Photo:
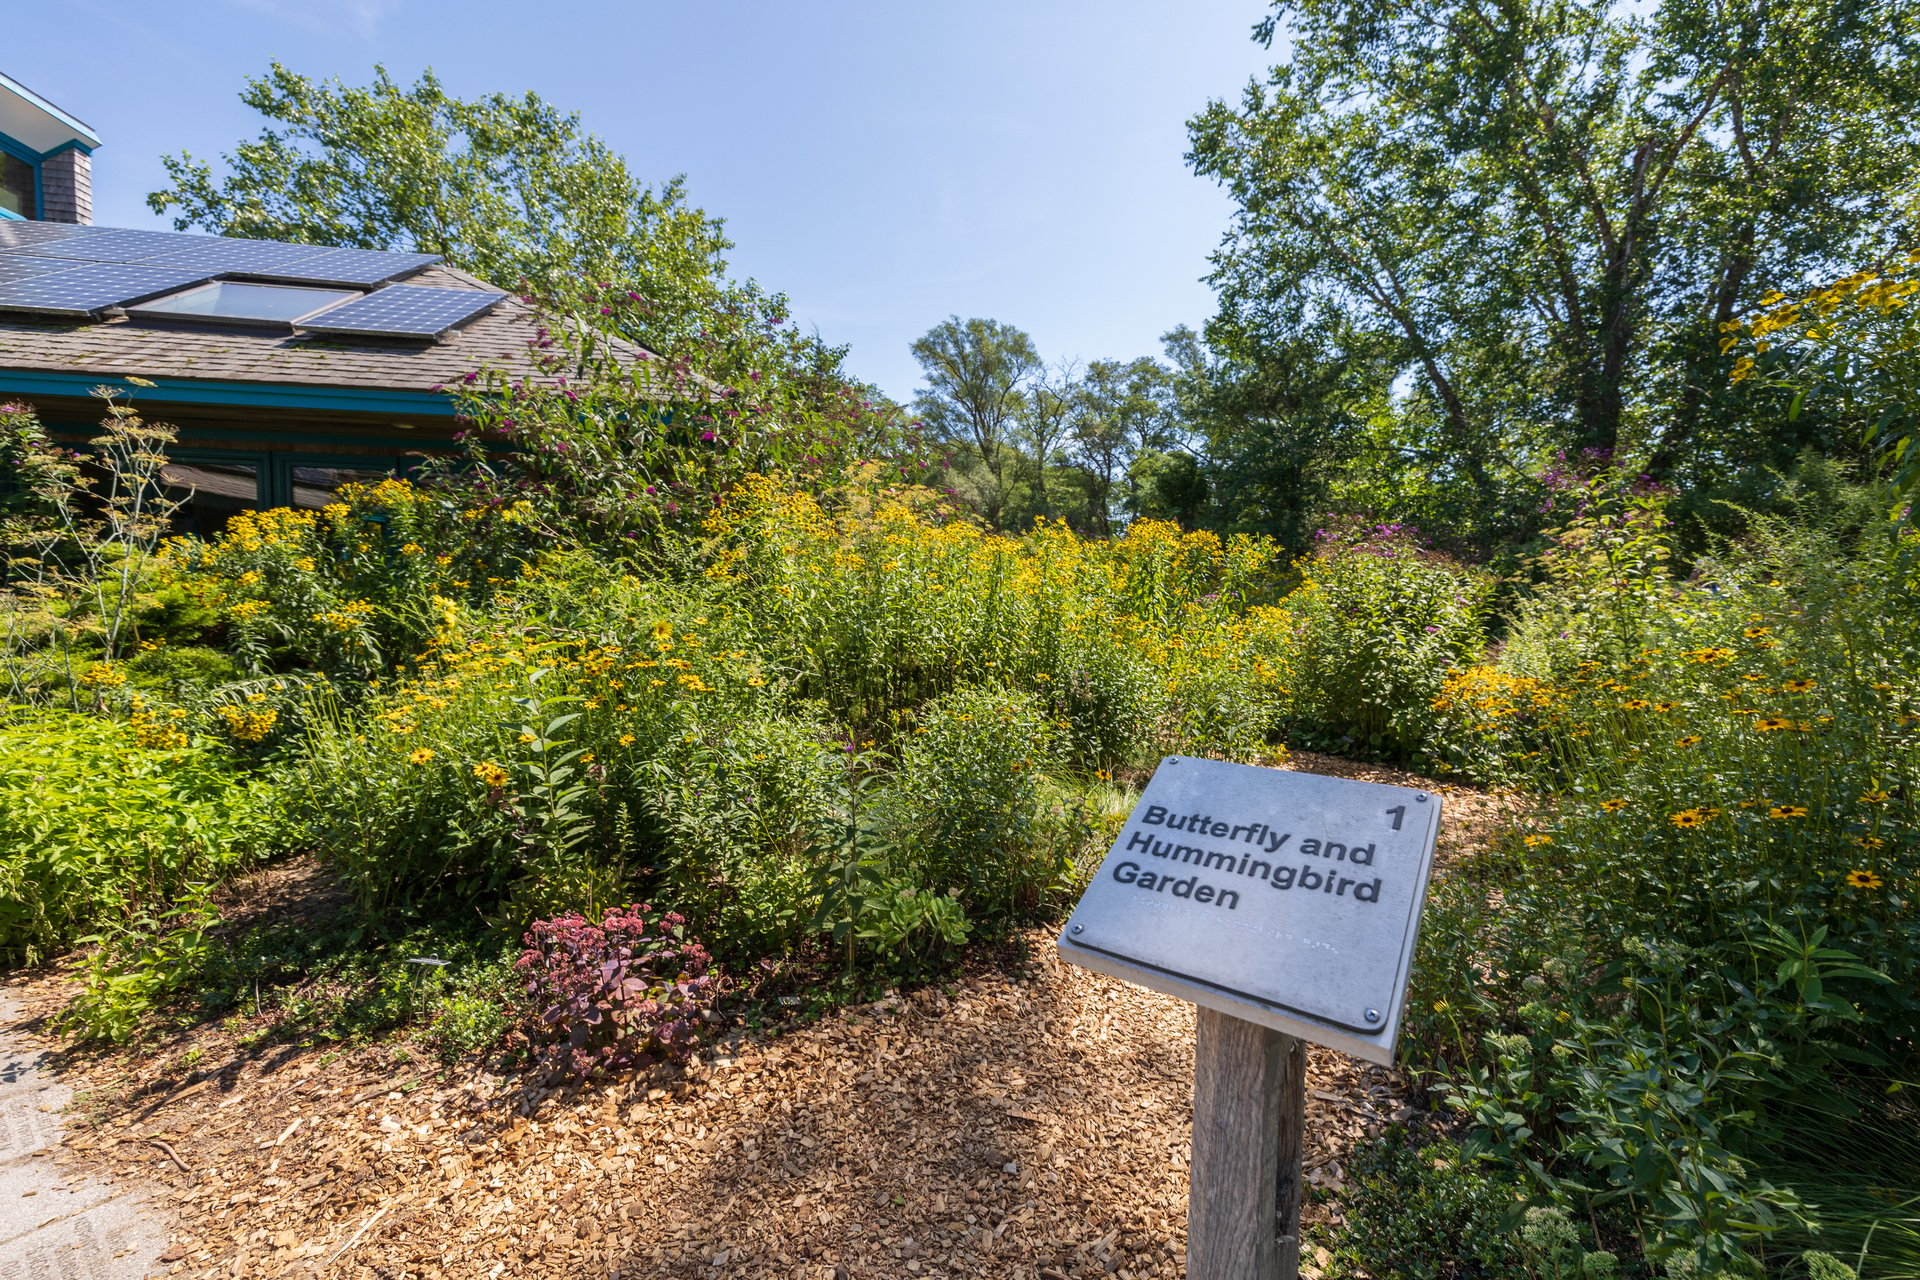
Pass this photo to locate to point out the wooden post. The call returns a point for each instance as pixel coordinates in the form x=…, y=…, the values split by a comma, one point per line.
x=1249, y=1110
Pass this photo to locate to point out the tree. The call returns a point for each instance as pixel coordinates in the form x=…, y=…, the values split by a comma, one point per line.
x=1046, y=417
x=976, y=372
x=1546, y=208
x=506, y=187
x=1122, y=416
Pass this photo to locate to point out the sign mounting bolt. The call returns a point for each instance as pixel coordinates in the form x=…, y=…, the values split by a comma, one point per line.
x=1420, y=796
x=1079, y=928
x=1373, y=1015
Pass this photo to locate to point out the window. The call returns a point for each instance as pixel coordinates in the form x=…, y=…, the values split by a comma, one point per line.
x=16, y=187
x=257, y=303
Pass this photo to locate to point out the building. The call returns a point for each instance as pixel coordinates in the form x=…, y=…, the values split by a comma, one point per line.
x=286, y=369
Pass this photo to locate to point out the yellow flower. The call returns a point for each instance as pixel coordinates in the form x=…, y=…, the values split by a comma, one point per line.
x=491, y=774
x=1613, y=806
x=1687, y=818
x=1875, y=796
x=420, y=757
x=1863, y=880
x=1798, y=686
x=1536, y=841
x=1769, y=724
x=626, y=739
x=1690, y=740
x=1787, y=811
x=1870, y=842
x=1754, y=633
x=755, y=681
x=1636, y=704
x=249, y=726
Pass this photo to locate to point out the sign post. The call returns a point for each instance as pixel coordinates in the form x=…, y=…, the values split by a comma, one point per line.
x=1285, y=905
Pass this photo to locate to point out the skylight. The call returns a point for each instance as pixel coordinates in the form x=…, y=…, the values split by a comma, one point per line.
x=256, y=303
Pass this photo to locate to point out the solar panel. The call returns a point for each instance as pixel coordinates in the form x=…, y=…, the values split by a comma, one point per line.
x=363, y=267
x=16, y=266
x=15, y=235
x=404, y=311
x=85, y=288
x=117, y=246
x=228, y=256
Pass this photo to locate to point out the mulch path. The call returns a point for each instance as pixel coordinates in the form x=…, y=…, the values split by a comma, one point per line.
x=1028, y=1120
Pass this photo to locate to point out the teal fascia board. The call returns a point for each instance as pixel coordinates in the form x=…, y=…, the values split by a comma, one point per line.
x=261, y=395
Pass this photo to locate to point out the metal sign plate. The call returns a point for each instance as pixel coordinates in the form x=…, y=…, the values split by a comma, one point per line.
x=1287, y=899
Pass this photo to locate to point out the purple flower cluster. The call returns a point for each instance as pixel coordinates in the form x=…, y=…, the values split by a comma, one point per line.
x=622, y=994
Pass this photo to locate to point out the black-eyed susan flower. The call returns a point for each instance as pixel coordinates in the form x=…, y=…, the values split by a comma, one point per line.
x=1687, y=740
x=1787, y=811
x=1798, y=686
x=1870, y=842
x=1537, y=841
x=1613, y=806
x=491, y=774
x=420, y=757
x=1772, y=724
x=1863, y=880
x=1687, y=818
x=1875, y=796
x=1664, y=706
x=1754, y=633
x=1636, y=704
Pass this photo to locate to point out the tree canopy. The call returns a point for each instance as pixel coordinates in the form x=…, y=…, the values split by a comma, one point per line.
x=507, y=187
x=1520, y=224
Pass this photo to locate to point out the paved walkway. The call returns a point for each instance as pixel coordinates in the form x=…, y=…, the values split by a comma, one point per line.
x=56, y=1224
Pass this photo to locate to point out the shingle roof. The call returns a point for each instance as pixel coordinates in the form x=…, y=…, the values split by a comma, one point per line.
x=120, y=347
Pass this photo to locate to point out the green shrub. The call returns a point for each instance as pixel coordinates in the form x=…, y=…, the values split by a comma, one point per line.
x=1379, y=624
x=95, y=827
x=972, y=810
x=1719, y=918
x=1426, y=1213
x=737, y=806
x=181, y=669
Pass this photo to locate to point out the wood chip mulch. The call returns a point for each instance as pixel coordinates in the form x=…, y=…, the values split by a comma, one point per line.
x=1027, y=1121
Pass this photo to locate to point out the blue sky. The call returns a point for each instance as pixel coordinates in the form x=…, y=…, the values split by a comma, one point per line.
x=886, y=162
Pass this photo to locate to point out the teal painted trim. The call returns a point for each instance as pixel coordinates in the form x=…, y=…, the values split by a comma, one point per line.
x=264, y=395
x=12, y=144
x=7, y=215
x=81, y=147
x=82, y=131
x=21, y=151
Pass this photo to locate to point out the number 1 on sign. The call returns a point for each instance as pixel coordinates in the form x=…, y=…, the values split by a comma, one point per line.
x=1399, y=813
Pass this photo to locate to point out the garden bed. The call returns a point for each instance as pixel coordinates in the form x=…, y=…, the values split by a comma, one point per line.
x=1027, y=1119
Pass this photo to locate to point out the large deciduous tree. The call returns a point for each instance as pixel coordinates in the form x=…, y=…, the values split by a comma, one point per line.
x=976, y=377
x=1122, y=418
x=509, y=188
x=1546, y=207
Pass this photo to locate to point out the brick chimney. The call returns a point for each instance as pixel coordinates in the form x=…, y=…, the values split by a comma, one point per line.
x=66, y=187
